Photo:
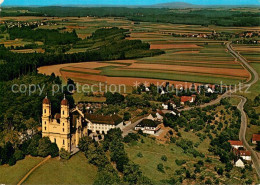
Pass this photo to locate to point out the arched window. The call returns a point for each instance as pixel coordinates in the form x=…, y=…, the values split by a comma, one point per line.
x=63, y=112
x=63, y=129
x=63, y=124
x=45, y=128
x=45, y=122
x=54, y=140
x=63, y=142
x=44, y=111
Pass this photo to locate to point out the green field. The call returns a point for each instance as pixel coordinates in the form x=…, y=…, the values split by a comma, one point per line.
x=77, y=170
x=13, y=174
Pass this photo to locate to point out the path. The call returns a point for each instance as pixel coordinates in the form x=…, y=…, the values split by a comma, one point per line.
x=32, y=170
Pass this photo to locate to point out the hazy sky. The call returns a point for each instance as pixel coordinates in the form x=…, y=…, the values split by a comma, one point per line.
x=127, y=2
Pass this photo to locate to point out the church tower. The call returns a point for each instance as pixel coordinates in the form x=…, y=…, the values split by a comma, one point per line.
x=65, y=124
x=46, y=115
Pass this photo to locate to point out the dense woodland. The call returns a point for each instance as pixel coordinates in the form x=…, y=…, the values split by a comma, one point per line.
x=220, y=17
x=112, y=46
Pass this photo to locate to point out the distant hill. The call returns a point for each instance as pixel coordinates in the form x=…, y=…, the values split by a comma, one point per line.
x=177, y=5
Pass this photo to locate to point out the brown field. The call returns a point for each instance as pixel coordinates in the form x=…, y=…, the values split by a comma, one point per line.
x=119, y=80
x=94, y=71
x=39, y=50
x=173, y=46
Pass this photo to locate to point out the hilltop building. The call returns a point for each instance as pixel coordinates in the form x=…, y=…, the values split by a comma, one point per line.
x=66, y=128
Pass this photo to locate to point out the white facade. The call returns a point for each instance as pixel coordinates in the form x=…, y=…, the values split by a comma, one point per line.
x=240, y=163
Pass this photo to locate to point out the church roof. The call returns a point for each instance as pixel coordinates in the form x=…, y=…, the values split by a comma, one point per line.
x=100, y=119
x=64, y=101
x=46, y=101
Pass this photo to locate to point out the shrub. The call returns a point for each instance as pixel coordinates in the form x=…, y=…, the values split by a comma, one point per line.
x=53, y=150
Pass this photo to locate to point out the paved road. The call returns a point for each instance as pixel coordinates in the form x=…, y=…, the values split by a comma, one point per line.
x=242, y=134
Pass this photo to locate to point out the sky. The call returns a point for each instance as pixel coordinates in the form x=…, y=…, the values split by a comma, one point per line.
x=126, y=2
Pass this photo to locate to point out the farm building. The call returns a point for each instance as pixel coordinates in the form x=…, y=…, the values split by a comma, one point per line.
x=255, y=138
x=236, y=144
x=148, y=126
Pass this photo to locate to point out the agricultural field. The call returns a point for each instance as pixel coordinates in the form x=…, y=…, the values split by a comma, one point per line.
x=192, y=60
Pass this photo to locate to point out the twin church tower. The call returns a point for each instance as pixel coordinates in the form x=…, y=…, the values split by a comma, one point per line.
x=57, y=129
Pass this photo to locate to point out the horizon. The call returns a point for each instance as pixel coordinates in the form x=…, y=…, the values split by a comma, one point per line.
x=125, y=2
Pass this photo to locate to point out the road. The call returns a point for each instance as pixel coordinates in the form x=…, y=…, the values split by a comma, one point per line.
x=242, y=134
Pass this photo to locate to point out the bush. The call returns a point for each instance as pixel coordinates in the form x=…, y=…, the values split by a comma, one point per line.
x=18, y=155
x=160, y=167
x=180, y=162
x=164, y=158
x=139, y=155
x=64, y=154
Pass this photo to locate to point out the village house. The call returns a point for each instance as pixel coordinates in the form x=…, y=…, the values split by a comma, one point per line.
x=239, y=163
x=255, y=138
x=67, y=127
x=189, y=99
x=168, y=105
x=158, y=116
x=236, y=144
x=244, y=154
x=148, y=126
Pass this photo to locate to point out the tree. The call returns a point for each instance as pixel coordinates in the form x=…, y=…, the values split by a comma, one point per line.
x=32, y=148
x=53, y=150
x=131, y=173
x=18, y=155
x=258, y=146
x=84, y=143
x=64, y=154
x=164, y=158
x=127, y=116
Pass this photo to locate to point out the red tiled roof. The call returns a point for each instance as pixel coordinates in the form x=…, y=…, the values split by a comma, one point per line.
x=64, y=102
x=232, y=143
x=186, y=98
x=244, y=153
x=256, y=137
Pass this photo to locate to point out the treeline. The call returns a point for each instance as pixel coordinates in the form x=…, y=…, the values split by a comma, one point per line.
x=109, y=151
x=35, y=146
x=221, y=17
x=48, y=37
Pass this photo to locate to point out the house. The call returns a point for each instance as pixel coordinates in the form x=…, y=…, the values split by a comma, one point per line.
x=236, y=144
x=168, y=105
x=67, y=127
x=244, y=154
x=189, y=99
x=148, y=126
x=175, y=112
x=158, y=116
x=255, y=138
x=239, y=163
